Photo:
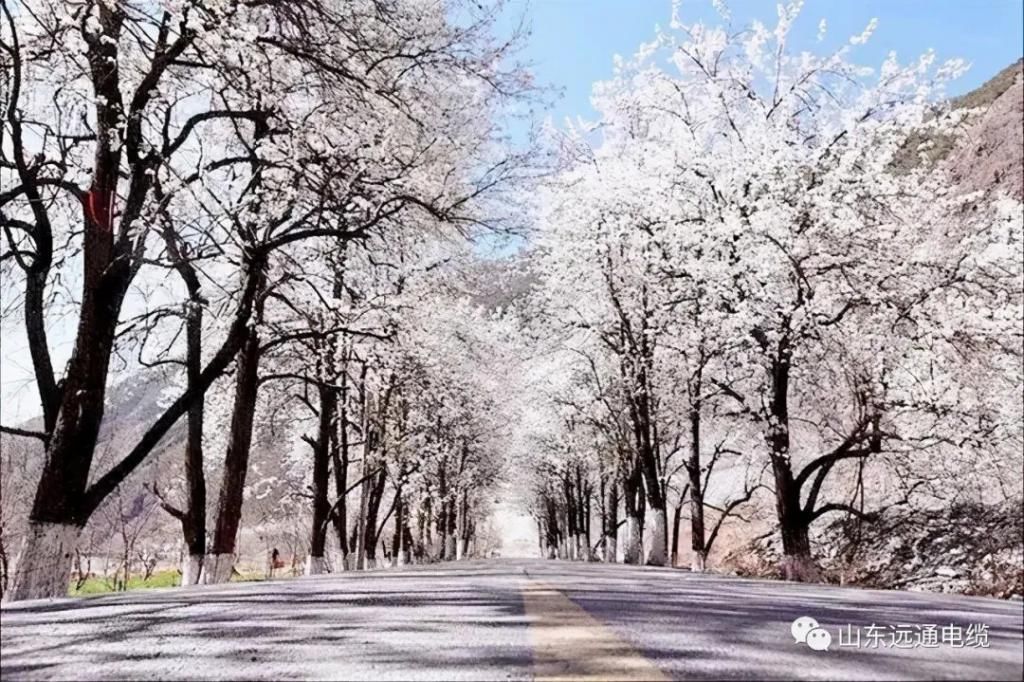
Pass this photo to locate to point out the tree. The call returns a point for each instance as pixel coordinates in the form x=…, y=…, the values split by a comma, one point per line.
x=192, y=94
x=778, y=176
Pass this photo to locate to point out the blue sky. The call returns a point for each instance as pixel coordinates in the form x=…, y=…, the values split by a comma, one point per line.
x=573, y=41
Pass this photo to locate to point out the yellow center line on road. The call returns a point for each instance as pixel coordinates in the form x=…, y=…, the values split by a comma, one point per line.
x=570, y=644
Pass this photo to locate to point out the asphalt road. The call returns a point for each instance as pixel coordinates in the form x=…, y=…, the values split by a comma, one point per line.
x=510, y=619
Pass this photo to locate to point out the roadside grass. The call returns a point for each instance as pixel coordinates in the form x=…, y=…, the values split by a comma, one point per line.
x=170, y=577
x=100, y=585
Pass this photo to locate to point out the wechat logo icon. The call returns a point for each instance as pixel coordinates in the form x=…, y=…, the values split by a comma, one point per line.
x=805, y=630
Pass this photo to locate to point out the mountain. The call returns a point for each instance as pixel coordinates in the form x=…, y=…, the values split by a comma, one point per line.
x=989, y=155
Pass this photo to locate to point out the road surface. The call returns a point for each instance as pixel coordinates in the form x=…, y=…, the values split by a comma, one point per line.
x=508, y=619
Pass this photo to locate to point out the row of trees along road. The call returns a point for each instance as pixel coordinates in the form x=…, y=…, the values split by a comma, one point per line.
x=752, y=288
x=250, y=195
x=758, y=284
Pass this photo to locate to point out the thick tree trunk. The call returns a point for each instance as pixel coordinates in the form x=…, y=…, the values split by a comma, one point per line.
x=321, y=465
x=236, y=461
x=467, y=536
x=60, y=495
x=315, y=565
x=217, y=568
x=633, y=488
x=550, y=528
x=191, y=569
x=656, y=555
x=43, y=569
x=407, y=554
x=693, y=469
x=193, y=523
x=797, y=563
x=372, y=513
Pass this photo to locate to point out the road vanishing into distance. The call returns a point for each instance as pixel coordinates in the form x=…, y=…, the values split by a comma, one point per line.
x=511, y=619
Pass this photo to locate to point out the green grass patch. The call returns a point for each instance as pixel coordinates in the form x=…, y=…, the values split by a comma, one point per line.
x=101, y=585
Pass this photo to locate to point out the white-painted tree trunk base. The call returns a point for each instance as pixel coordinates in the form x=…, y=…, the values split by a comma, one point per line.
x=191, y=569
x=699, y=563
x=316, y=565
x=582, y=549
x=656, y=556
x=611, y=549
x=43, y=568
x=218, y=568
x=634, y=541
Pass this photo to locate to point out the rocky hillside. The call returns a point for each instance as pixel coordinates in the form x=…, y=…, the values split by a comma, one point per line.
x=989, y=155
x=965, y=548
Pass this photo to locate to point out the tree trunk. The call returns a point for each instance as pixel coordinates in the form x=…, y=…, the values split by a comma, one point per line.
x=73, y=409
x=611, y=533
x=191, y=569
x=571, y=517
x=633, y=488
x=236, y=461
x=697, y=543
x=797, y=563
x=193, y=519
x=463, y=545
x=218, y=568
x=451, y=537
x=193, y=523
x=423, y=530
x=550, y=528
x=442, y=513
x=467, y=535
x=321, y=464
x=408, y=547
x=677, y=514
x=376, y=493
x=656, y=556
x=315, y=565
x=43, y=569
x=398, y=539
x=339, y=460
